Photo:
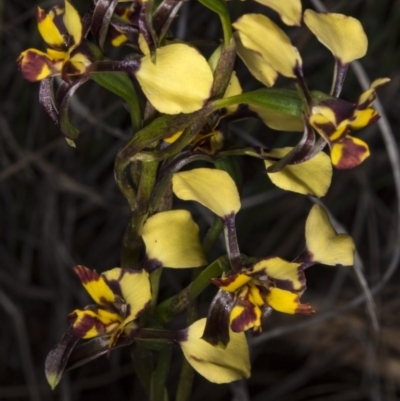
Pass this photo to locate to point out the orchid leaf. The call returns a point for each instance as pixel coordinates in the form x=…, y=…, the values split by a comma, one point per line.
x=120, y=84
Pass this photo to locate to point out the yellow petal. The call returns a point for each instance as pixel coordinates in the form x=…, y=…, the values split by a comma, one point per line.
x=288, y=275
x=133, y=287
x=289, y=10
x=179, y=82
x=256, y=64
x=88, y=324
x=73, y=24
x=36, y=65
x=79, y=63
x=287, y=302
x=349, y=152
x=174, y=137
x=173, y=239
x=214, y=189
x=233, y=89
x=245, y=316
x=259, y=34
x=367, y=98
x=312, y=177
x=324, y=244
x=215, y=364
x=362, y=118
x=231, y=283
x=48, y=30
x=95, y=285
x=278, y=121
x=344, y=36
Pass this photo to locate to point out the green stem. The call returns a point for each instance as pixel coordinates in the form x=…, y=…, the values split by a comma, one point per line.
x=212, y=235
x=143, y=366
x=179, y=302
x=159, y=378
x=155, y=277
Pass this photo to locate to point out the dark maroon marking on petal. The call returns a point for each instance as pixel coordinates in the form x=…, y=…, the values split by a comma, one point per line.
x=304, y=309
x=216, y=331
x=288, y=284
x=248, y=315
x=373, y=119
x=86, y=275
x=230, y=278
x=341, y=108
x=86, y=323
x=367, y=103
x=151, y=265
x=328, y=128
x=31, y=65
x=306, y=259
x=351, y=154
x=40, y=15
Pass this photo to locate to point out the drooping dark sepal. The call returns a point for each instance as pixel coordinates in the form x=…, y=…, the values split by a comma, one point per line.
x=57, y=358
x=46, y=99
x=216, y=331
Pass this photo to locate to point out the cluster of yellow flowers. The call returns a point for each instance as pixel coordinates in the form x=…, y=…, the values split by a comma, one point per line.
x=190, y=97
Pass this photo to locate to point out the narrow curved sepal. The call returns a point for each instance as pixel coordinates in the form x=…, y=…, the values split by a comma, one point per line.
x=214, y=189
x=180, y=80
x=57, y=358
x=312, y=177
x=215, y=364
x=172, y=238
x=344, y=36
x=324, y=245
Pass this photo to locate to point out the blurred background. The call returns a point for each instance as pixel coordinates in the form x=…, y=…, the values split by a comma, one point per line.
x=60, y=206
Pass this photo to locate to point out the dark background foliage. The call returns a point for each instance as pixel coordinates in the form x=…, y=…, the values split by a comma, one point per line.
x=60, y=206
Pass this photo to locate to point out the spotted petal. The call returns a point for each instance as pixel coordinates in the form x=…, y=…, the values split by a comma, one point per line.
x=73, y=24
x=286, y=275
x=215, y=364
x=324, y=244
x=245, y=315
x=289, y=10
x=287, y=302
x=214, y=189
x=133, y=286
x=179, y=82
x=36, y=65
x=95, y=285
x=172, y=238
x=48, y=29
x=349, y=152
x=334, y=31
x=313, y=177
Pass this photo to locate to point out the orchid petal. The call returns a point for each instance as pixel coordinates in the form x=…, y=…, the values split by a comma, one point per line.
x=344, y=36
x=214, y=189
x=166, y=83
x=324, y=244
x=172, y=238
x=312, y=177
x=215, y=364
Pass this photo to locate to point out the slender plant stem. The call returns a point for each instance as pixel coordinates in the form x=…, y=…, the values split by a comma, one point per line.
x=158, y=390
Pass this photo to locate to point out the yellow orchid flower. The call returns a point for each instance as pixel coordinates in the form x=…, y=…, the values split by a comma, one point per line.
x=334, y=119
x=270, y=283
x=62, y=31
x=121, y=295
